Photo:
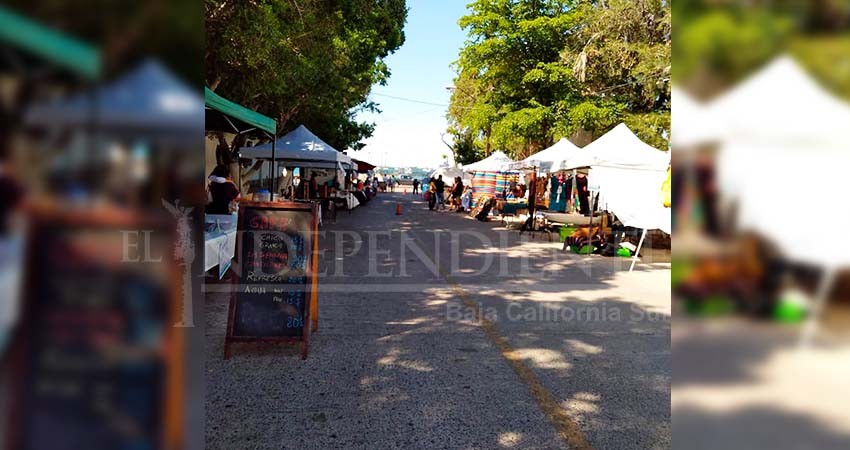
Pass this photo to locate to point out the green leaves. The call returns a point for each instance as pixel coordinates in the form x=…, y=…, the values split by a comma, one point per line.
x=533, y=71
x=310, y=62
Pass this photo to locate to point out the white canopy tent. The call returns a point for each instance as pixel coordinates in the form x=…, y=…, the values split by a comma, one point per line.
x=303, y=148
x=622, y=149
x=786, y=147
x=552, y=157
x=629, y=174
x=497, y=162
x=448, y=173
x=691, y=124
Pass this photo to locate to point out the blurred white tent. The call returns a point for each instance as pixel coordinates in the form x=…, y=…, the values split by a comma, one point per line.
x=551, y=158
x=692, y=125
x=497, y=162
x=448, y=173
x=783, y=161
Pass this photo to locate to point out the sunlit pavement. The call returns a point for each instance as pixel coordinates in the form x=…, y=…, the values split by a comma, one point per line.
x=483, y=351
x=745, y=384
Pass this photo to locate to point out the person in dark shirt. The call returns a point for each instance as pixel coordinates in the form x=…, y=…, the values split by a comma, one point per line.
x=441, y=188
x=222, y=190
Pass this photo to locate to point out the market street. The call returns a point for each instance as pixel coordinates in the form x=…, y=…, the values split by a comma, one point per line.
x=508, y=345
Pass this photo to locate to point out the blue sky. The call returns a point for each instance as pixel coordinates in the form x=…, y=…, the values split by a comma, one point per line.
x=408, y=133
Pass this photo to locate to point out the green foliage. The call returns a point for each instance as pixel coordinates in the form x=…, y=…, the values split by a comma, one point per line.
x=533, y=71
x=307, y=62
x=718, y=43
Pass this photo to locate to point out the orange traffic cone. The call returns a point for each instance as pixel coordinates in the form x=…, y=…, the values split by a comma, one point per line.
x=398, y=209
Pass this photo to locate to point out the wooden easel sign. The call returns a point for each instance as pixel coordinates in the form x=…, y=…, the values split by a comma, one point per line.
x=99, y=364
x=275, y=287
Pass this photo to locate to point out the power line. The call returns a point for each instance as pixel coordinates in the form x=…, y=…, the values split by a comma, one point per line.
x=409, y=99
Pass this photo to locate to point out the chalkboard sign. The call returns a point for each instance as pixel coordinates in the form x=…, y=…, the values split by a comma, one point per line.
x=98, y=357
x=275, y=292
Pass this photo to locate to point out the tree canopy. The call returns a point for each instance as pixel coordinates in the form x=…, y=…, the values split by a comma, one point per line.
x=534, y=71
x=310, y=62
x=718, y=43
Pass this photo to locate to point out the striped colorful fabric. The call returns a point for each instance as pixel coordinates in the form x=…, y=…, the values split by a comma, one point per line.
x=483, y=185
x=491, y=184
x=503, y=181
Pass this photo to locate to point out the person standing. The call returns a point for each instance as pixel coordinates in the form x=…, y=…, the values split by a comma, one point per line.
x=432, y=193
x=415, y=186
x=223, y=191
x=457, y=192
x=441, y=187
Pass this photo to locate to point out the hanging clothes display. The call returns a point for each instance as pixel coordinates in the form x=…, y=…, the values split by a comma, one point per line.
x=558, y=194
x=583, y=194
x=541, y=192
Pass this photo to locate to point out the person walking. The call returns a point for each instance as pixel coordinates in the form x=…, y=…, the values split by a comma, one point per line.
x=432, y=193
x=441, y=188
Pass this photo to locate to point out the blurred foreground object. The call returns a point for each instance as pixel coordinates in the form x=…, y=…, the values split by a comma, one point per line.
x=96, y=362
x=761, y=144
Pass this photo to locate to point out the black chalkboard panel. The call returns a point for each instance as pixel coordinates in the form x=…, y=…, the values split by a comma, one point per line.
x=93, y=373
x=274, y=263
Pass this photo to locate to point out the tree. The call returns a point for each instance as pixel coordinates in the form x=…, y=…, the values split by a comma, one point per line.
x=534, y=71
x=308, y=62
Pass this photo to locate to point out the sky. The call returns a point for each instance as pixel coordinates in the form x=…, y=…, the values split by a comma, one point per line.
x=407, y=133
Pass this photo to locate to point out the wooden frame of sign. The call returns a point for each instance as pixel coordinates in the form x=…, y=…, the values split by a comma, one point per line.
x=283, y=312
x=170, y=350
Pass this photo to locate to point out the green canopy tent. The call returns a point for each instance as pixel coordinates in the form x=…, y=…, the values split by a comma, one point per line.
x=36, y=42
x=227, y=116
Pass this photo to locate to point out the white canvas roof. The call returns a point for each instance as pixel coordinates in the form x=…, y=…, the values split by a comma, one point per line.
x=692, y=124
x=621, y=148
x=497, y=162
x=785, y=161
x=552, y=157
x=299, y=145
x=782, y=103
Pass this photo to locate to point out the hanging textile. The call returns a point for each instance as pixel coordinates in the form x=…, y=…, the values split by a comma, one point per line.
x=483, y=185
x=558, y=194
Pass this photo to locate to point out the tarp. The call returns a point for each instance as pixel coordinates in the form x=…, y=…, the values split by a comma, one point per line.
x=552, y=158
x=237, y=115
x=300, y=146
x=49, y=44
x=496, y=162
x=362, y=166
x=784, y=162
x=148, y=103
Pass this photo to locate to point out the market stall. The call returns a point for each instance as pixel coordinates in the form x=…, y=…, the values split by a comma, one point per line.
x=775, y=155
x=226, y=116
x=490, y=176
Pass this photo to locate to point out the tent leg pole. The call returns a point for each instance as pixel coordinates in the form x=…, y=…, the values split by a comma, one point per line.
x=273, y=169
x=821, y=297
x=640, y=245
